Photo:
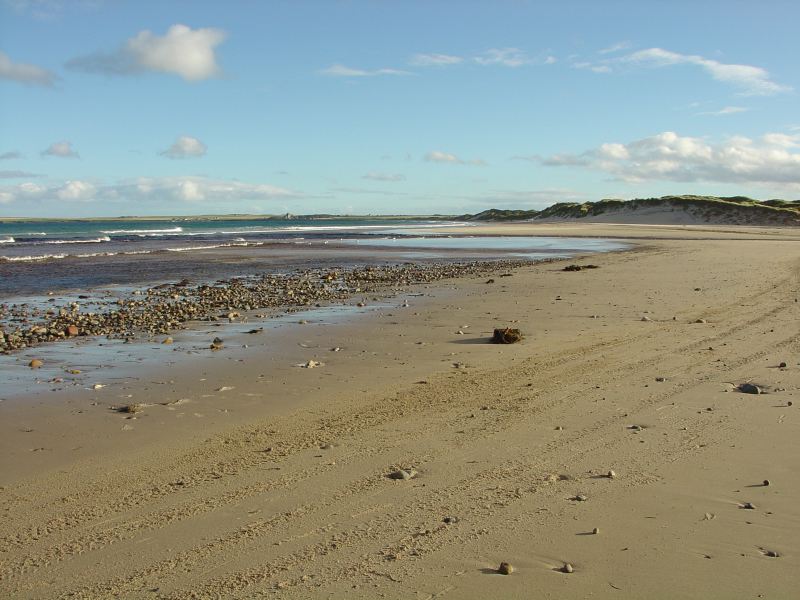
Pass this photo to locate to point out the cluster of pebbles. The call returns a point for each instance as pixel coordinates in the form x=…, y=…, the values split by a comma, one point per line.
x=164, y=308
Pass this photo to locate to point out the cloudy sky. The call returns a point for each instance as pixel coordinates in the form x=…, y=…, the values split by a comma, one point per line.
x=117, y=107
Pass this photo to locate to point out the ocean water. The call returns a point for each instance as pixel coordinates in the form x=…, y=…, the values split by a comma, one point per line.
x=40, y=257
x=38, y=241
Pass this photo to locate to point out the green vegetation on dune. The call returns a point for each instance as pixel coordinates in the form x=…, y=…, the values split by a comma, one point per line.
x=707, y=209
x=496, y=214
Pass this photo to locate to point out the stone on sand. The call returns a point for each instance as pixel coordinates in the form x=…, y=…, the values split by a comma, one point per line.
x=749, y=388
x=506, y=335
x=505, y=568
x=402, y=474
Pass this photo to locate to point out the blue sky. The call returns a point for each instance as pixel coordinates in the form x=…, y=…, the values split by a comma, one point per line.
x=133, y=108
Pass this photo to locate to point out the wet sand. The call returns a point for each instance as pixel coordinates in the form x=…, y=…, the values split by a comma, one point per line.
x=246, y=476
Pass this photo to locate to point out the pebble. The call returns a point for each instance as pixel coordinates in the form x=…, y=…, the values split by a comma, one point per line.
x=661, y=379
x=217, y=344
x=700, y=321
x=771, y=553
x=748, y=505
x=450, y=520
x=36, y=363
x=766, y=482
x=567, y=568
x=749, y=388
x=595, y=531
x=161, y=309
x=403, y=474
x=505, y=568
x=646, y=318
x=611, y=475
x=580, y=498
x=168, y=340
x=782, y=365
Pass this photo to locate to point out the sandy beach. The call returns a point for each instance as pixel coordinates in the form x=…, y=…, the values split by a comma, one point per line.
x=244, y=475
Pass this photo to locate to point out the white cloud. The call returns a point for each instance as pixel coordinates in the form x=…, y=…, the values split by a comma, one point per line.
x=615, y=48
x=507, y=57
x=593, y=67
x=751, y=80
x=437, y=156
x=772, y=160
x=25, y=73
x=23, y=191
x=61, y=149
x=435, y=60
x=47, y=10
x=76, y=190
x=183, y=51
x=193, y=188
x=31, y=189
x=338, y=70
x=384, y=176
x=185, y=146
x=727, y=110
x=10, y=155
x=147, y=189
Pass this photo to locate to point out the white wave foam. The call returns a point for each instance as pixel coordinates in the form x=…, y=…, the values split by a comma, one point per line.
x=93, y=254
x=32, y=258
x=144, y=231
x=105, y=238
x=8, y=240
x=209, y=247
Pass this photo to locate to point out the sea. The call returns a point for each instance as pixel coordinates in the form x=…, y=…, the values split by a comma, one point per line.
x=53, y=256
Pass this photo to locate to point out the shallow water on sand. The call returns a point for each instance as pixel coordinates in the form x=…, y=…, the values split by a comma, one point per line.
x=207, y=263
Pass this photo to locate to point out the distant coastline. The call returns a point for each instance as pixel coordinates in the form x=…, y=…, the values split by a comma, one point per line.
x=221, y=217
x=687, y=209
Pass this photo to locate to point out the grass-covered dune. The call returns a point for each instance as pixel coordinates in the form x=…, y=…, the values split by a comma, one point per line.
x=732, y=210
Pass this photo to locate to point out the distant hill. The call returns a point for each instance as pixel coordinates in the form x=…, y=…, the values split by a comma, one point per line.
x=667, y=210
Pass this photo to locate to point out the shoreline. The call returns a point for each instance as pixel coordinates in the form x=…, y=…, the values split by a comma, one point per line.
x=277, y=485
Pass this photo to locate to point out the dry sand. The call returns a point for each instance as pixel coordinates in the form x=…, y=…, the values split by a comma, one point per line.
x=278, y=487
